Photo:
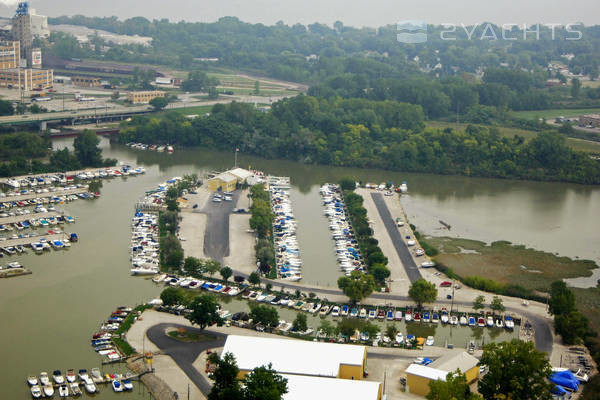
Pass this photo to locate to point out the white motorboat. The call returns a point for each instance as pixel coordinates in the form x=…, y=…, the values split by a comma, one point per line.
x=36, y=392
x=429, y=341
x=32, y=380
x=453, y=320
x=499, y=323
x=116, y=385
x=90, y=387
x=399, y=338
x=490, y=321
x=127, y=385
x=48, y=390
x=63, y=391
x=44, y=380
x=71, y=376
x=58, y=378
x=335, y=312
x=144, y=271
x=75, y=388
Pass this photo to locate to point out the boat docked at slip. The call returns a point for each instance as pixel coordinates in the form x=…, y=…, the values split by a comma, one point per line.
x=63, y=391
x=348, y=255
x=36, y=391
x=48, y=390
x=287, y=252
x=57, y=377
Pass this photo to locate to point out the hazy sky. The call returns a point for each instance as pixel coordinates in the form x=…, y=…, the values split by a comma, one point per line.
x=351, y=12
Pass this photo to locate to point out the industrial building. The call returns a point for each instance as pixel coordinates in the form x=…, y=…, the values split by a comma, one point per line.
x=26, y=78
x=418, y=376
x=228, y=180
x=86, y=81
x=10, y=54
x=312, y=387
x=144, y=97
x=26, y=25
x=298, y=357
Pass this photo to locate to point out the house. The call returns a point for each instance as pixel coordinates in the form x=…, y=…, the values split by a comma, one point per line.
x=225, y=182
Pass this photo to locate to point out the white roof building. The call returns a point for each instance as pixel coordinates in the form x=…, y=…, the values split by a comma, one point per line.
x=426, y=372
x=297, y=357
x=241, y=173
x=311, y=387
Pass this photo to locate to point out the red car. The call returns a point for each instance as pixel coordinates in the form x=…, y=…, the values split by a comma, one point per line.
x=446, y=284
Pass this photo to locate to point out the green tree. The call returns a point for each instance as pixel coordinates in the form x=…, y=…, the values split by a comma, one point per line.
x=254, y=279
x=516, y=370
x=479, y=302
x=327, y=328
x=265, y=315
x=256, y=87
x=226, y=273
x=357, y=286
x=422, y=291
x=171, y=252
x=497, y=305
x=204, y=311
x=263, y=383
x=115, y=95
x=171, y=296
x=6, y=107
x=226, y=384
x=575, y=88
x=380, y=273
x=211, y=267
x=347, y=184
x=192, y=265
x=455, y=387
x=86, y=149
x=299, y=324
x=391, y=331
x=573, y=327
x=159, y=103
x=562, y=299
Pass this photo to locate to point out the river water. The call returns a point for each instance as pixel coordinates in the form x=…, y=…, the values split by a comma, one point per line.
x=48, y=317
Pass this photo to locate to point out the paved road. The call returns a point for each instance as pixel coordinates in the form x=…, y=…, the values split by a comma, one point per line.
x=184, y=354
x=216, y=236
x=412, y=271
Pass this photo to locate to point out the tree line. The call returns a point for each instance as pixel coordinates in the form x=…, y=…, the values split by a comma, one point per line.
x=368, y=134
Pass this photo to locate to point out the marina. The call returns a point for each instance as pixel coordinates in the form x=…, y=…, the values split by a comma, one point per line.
x=62, y=279
x=289, y=263
x=346, y=246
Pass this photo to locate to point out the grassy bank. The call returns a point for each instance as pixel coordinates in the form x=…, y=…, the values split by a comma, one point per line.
x=509, y=132
x=506, y=263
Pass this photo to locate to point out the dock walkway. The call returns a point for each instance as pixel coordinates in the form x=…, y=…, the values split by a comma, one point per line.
x=28, y=240
x=30, y=196
x=27, y=217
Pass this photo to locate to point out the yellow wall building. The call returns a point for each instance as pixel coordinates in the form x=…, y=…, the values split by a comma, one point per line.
x=418, y=376
x=9, y=54
x=298, y=357
x=228, y=180
x=144, y=97
x=26, y=78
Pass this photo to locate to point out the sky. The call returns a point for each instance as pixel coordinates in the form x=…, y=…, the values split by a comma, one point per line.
x=358, y=13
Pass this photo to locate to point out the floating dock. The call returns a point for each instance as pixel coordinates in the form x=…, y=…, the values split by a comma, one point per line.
x=42, y=195
x=27, y=217
x=13, y=272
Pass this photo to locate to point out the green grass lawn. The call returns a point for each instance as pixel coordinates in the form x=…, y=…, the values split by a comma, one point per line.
x=576, y=144
x=507, y=263
x=551, y=114
x=186, y=336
